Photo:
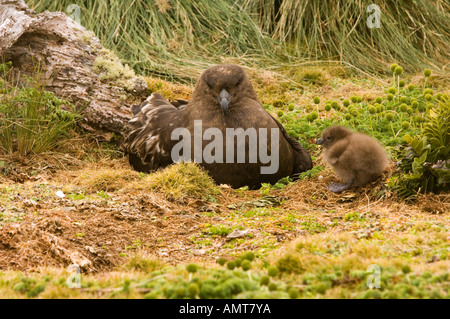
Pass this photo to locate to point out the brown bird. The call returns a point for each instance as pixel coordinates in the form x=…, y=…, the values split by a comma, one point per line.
x=357, y=158
x=238, y=143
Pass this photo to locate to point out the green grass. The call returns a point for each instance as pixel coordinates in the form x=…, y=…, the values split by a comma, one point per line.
x=338, y=31
x=32, y=120
x=173, y=38
x=178, y=39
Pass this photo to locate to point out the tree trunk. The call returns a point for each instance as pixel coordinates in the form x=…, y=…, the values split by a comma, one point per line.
x=72, y=64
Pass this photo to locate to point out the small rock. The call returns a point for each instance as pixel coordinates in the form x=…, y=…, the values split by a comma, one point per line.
x=60, y=194
x=238, y=233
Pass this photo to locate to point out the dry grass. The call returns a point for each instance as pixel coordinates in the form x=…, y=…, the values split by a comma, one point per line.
x=105, y=179
x=180, y=182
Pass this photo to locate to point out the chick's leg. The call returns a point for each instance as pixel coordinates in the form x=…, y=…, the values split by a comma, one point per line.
x=337, y=188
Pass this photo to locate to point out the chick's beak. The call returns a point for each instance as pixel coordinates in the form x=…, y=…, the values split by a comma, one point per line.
x=319, y=141
x=224, y=99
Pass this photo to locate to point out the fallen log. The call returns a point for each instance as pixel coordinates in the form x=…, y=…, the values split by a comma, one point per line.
x=72, y=63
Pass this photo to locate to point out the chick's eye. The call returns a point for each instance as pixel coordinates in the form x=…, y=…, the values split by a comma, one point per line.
x=239, y=82
x=328, y=137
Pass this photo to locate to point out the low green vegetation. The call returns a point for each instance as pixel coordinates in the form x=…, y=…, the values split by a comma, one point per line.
x=411, y=122
x=424, y=164
x=32, y=120
x=320, y=266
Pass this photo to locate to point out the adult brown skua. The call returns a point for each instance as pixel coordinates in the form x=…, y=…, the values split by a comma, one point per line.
x=223, y=99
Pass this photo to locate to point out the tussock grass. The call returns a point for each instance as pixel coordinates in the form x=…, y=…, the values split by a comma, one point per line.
x=174, y=38
x=180, y=182
x=142, y=261
x=413, y=33
x=105, y=179
x=178, y=39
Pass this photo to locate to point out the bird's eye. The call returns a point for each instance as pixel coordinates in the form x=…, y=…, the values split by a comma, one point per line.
x=239, y=82
x=328, y=137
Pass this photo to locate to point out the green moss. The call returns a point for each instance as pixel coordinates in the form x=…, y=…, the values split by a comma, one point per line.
x=207, y=291
x=293, y=293
x=221, y=261
x=192, y=268
x=231, y=264
x=272, y=286
x=109, y=68
x=264, y=281
x=272, y=271
x=246, y=265
x=192, y=290
x=249, y=256
x=87, y=36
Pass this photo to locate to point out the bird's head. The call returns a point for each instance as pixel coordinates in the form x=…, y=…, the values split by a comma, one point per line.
x=224, y=82
x=333, y=134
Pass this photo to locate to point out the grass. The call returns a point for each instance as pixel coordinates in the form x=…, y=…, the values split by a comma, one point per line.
x=339, y=31
x=177, y=182
x=182, y=181
x=178, y=39
x=105, y=179
x=171, y=38
x=32, y=120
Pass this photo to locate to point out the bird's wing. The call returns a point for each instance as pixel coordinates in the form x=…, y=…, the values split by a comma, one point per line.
x=149, y=143
x=302, y=159
x=335, y=152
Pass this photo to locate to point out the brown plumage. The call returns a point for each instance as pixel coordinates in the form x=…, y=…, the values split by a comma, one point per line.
x=223, y=98
x=357, y=158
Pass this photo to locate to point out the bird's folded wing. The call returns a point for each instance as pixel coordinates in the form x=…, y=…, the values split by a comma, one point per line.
x=335, y=152
x=149, y=143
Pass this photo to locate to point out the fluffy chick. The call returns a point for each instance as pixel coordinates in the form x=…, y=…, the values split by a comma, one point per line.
x=356, y=158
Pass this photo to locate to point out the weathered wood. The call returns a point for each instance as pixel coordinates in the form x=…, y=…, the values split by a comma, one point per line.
x=73, y=64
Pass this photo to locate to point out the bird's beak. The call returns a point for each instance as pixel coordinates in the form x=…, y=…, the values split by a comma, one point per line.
x=319, y=141
x=224, y=99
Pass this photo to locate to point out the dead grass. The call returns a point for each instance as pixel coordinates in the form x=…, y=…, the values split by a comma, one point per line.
x=105, y=179
x=180, y=182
